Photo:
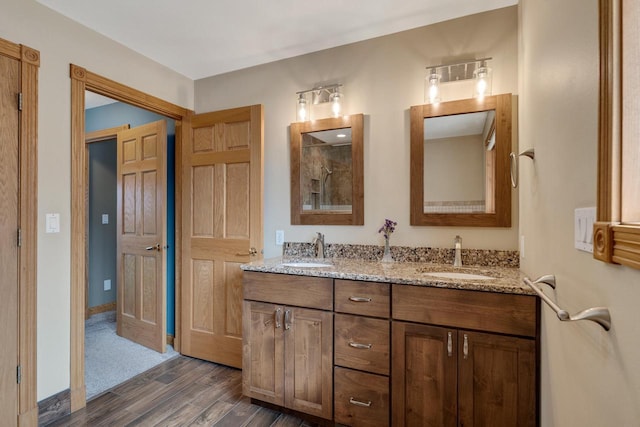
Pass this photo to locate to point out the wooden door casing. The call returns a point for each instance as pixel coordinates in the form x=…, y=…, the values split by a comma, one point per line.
x=9, y=223
x=496, y=380
x=424, y=380
x=222, y=190
x=141, y=219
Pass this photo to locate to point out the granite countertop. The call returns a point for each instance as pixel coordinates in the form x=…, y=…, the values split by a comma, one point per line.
x=504, y=279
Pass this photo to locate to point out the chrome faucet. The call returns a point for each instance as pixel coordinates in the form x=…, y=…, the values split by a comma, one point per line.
x=318, y=242
x=457, y=259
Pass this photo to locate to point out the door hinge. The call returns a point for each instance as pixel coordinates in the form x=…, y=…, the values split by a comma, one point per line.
x=20, y=101
x=19, y=237
x=19, y=374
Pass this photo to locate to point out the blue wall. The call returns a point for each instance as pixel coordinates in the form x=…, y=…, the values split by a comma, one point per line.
x=118, y=114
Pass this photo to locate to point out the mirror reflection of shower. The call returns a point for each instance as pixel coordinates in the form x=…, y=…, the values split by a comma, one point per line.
x=325, y=173
x=325, y=170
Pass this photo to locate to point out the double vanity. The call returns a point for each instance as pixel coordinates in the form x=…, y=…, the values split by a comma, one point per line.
x=366, y=343
x=350, y=340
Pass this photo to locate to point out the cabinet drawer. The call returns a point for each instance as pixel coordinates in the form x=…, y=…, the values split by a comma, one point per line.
x=362, y=343
x=301, y=291
x=365, y=298
x=486, y=311
x=361, y=399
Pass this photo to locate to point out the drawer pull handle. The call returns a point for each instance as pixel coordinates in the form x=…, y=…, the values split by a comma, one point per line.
x=278, y=316
x=360, y=346
x=359, y=403
x=449, y=345
x=287, y=320
x=465, y=347
x=359, y=299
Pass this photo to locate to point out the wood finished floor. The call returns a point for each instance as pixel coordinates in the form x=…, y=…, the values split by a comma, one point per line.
x=179, y=392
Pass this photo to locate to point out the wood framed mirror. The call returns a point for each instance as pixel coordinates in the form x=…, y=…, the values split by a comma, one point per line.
x=460, y=163
x=327, y=171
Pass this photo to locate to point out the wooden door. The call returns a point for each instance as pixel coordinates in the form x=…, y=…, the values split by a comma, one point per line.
x=263, y=364
x=308, y=345
x=424, y=375
x=141, y=225
x=9, y=223
x=496, y=380
x=221, y=225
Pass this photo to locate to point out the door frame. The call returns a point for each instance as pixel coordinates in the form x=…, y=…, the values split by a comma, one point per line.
x=81, y=80
x=28, y=198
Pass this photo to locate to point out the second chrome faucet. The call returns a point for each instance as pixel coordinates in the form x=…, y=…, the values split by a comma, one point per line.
x=457, y=258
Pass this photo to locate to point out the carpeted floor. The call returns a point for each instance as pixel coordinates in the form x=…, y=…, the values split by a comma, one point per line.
x=110, y=359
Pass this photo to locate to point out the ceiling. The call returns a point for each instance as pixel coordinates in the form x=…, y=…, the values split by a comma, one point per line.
x=202, y=38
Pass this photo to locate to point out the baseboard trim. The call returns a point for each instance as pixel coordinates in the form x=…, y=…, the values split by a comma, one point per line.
x=171, y=340
x=55, y=407
x=110, y=306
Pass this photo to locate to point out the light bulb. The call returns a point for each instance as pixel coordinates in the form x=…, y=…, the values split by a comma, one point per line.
x=483, y=82
x=302, y=108
x=336, y=103
x=432, y=90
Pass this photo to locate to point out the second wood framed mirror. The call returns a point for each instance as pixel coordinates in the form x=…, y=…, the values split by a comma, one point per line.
x=460, y=163
x=327, y=171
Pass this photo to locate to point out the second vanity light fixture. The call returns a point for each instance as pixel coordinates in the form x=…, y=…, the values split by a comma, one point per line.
x=319, y=95
x=476, y=69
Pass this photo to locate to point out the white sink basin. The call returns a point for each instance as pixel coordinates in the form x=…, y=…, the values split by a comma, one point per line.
x=456, y=275
x=305, y=264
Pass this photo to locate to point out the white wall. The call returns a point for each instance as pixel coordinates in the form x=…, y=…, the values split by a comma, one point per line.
x=382, y=78
x=589, y=377
x=61, y=42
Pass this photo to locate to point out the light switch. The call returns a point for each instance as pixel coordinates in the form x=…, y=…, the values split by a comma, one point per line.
x=583, y=228
x=105, y=218
x=107, y=285
x=52, y=223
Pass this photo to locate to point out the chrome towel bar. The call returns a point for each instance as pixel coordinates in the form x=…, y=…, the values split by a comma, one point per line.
x=600, y=315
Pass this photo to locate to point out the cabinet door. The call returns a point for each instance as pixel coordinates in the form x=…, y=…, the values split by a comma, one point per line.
x=424, y=375
x=496, y=380
x=263, y=352
x=309, y=361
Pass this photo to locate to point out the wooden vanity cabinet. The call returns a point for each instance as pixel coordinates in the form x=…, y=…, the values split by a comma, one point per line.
x=444, y=374
x=288, y=341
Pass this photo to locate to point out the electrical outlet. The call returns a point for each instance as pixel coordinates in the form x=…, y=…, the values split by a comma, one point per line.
x=279, y=237
x=107, y=285
x=522, y=246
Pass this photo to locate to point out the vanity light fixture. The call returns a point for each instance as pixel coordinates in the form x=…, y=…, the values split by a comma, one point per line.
x=319, y=95
x=475, y=69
